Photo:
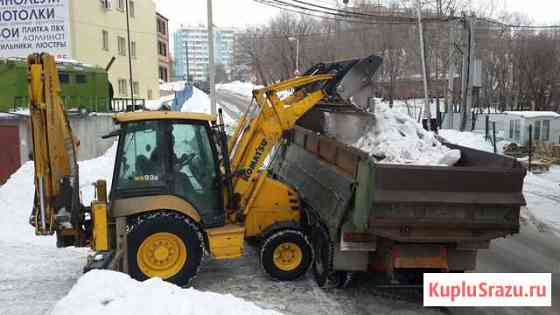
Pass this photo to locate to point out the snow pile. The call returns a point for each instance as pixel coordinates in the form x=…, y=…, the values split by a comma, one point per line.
x=467, y=139
x=156, y=104
x=240, y=88
x=16, y=196
x=396, y=138
x=199, y=102
x=542, y=193
x=31, y=266
x=172, y=86
x=109, y=292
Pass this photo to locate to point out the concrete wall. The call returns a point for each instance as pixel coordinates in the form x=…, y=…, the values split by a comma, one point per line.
x=88, y=129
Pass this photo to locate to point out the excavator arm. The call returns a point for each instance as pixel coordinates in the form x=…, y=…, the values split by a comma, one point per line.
x=270, y=116
x=56, y=206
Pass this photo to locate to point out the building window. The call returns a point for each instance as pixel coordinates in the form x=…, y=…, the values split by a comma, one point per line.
x=517, y=130
x=131, y=8
x=161, y=27
x=133, y=49
x=121, y=45
x=163, y=75
x=123, y=90
x=105, y=40
x=162, y=49
x=546, y=130
x=136, y=87
x=537, y=130
x=81, y=79
x=120, y=5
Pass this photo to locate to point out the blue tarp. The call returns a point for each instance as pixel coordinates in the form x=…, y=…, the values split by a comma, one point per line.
x=181, y=97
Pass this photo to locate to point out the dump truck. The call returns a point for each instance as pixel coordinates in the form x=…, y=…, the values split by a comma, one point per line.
x=180, y=188
x=402, y=220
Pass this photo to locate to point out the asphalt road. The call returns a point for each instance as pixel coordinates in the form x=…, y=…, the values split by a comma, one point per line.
x=529, y=251
x=533, y=250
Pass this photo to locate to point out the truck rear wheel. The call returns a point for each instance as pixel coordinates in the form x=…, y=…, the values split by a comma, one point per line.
x=165, y=245
x=286, y=255
x=322, y=265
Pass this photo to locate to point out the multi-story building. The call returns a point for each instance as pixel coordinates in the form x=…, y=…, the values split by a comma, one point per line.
x=193, y=41
x=98, y=32
x=163, y=47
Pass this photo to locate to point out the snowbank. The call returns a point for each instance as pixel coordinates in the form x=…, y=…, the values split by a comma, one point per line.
x=542, y=193
x=467, y=139
x=396, y=138
x=172, y=86
x=113, y=293
x=240, y=88
x=16, y=197
x=199, y=102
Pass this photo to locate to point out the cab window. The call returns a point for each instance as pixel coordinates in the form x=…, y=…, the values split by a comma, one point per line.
x=142, y=157
x=194, y=165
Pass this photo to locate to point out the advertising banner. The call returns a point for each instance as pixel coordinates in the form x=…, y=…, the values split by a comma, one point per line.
x=28, y=26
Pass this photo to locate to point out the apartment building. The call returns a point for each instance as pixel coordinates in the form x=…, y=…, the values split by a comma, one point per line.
x=163, y=47
x=98, y=32
x=193, y=42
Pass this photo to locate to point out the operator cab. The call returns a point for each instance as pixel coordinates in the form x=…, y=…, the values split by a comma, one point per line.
x=170, y=153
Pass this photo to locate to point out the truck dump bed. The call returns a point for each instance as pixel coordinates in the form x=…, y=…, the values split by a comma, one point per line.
x=476, y=200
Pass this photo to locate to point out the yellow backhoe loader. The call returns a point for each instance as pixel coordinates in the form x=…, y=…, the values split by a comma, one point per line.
x=180, y=189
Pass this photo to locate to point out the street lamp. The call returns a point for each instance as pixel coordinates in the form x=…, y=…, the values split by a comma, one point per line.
x=291, y=39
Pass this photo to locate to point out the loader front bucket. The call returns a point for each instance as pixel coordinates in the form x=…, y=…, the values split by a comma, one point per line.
x=353, y=79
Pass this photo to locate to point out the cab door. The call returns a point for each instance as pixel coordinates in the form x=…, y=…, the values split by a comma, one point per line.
x=194, y=166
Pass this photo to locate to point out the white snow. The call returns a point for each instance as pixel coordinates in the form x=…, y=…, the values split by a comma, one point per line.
x=472, y=140
x=172, y=86
x=240, y=88
x=467, y=139
x=113, y=293
x=542, y=193
x=199, y=102
x=31, y=267
x=398, y=139
x=533, y=114
x=156, y=104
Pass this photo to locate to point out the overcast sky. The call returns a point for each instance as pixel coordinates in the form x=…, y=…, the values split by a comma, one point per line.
x=240, y=13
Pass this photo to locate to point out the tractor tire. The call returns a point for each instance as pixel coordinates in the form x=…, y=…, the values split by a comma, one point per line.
x=165, y=245
x=286, y=255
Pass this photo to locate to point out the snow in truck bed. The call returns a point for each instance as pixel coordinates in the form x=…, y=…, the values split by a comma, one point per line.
x=395, y=138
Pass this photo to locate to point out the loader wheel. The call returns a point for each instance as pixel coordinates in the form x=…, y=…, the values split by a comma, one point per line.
x=286, y=255
x=165, y=245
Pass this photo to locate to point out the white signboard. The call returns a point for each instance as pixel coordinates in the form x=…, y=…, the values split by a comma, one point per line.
x=28, y=26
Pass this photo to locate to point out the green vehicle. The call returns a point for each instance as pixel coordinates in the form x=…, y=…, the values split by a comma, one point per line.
x=83, y=86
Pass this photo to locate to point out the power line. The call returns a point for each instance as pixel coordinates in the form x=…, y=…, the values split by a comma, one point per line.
x=291, y=7
x=303, y=12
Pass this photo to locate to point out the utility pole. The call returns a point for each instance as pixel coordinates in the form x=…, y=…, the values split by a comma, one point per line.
x=130, y=78
x=472, y=58
x=211, y=68
x=467, y=81
x=427, y=109
x=449, y=106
